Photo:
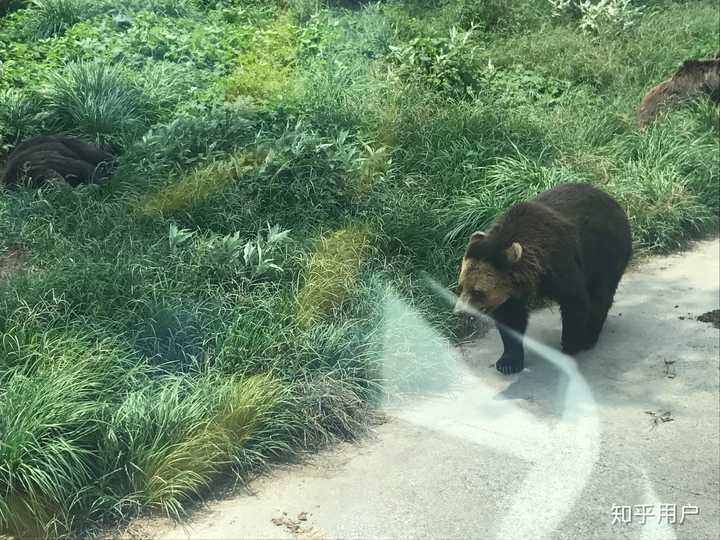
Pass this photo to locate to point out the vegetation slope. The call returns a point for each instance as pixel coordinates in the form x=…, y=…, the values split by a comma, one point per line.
x=285, y=166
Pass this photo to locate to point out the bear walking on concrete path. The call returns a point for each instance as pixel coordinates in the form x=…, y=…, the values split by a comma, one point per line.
x=571, y=244
x=48, y=156
x=693, y=78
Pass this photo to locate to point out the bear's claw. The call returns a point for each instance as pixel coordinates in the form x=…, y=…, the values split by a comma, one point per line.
x=508, y=365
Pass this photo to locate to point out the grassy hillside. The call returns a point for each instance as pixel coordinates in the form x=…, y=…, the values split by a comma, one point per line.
x=285, y=165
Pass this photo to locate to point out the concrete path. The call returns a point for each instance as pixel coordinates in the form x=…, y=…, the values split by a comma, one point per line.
x=589, y=449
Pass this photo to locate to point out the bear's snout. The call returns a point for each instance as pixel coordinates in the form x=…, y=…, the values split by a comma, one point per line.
x=463, y=309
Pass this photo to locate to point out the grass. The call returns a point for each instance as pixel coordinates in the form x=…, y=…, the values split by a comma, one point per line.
x=250, y=281
x=195, y=187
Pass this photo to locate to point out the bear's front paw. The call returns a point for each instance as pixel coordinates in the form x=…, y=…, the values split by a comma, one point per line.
x=509, y=364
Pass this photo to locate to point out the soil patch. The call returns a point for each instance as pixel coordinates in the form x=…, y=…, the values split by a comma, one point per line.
x=10, y=262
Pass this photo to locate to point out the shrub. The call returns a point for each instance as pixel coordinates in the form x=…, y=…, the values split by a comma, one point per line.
x=447, y=64
x=608, y=16
x=303, y=177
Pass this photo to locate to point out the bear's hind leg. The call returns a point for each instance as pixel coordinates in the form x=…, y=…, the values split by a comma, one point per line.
x=74, y=171
x=575, y=314
x=601, y=299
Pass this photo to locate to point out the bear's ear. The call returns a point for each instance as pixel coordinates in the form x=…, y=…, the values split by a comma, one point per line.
x=477, y=236
x=514, y=253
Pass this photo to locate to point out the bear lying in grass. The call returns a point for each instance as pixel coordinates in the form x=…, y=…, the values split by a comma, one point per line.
x=42, y=158
x=693, y=78
x=570, y=244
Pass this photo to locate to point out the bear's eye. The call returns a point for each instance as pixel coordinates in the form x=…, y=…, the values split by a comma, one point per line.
x=478, y=295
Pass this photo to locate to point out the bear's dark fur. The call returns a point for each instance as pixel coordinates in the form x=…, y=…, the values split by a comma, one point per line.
x=47, y=156
x=692, y=78
x=570, y=244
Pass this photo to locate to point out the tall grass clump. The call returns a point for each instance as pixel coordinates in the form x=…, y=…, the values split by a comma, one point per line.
x=304, y=10
x=55, y=406
x=105, y=436
x=661, y=205
x=46, y=453
x=508, y=180
x=336, y=95
x=53, y=17
x=20, y=117
x=668, y=180
x=168, y=85
x=332, y=272
x=98, y=100
x=174, y=437
x=496, y=15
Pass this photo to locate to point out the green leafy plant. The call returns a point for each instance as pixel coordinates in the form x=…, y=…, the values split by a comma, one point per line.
x=599, y=16
x=254, y=255
x=608, y=15
x=445, y=63
x=178, y=237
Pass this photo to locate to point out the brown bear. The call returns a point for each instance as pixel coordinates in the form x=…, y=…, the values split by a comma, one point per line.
x=692, y=78
x=571, y=244
x=48, y=156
